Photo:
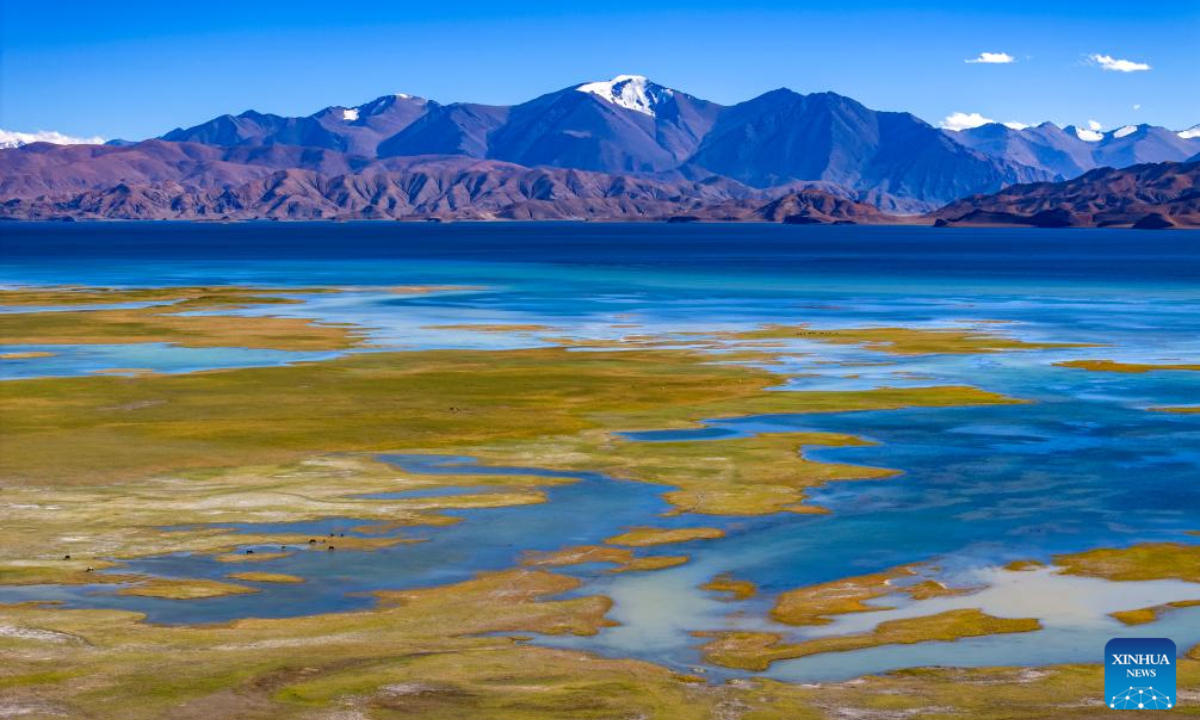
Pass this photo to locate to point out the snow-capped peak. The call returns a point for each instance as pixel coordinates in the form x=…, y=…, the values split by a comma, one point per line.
x=350, y=114
x=1088, y=135
x=405, y=97
x=1127, y=130
x=632, y=92
x=1192, y=132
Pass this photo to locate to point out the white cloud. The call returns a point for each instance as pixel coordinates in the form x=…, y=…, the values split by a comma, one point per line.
x=992, y=58
x=1138, y=106
x=13, y=139
x=1108, y=62
x=1094, y=125
x=965, y=121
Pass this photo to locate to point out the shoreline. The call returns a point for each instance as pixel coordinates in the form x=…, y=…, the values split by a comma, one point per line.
x=901, y=221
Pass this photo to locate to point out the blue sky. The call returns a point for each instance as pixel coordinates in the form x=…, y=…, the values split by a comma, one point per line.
x=137, y=68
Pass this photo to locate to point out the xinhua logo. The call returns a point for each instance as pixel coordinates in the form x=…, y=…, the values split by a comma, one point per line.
x=1139, y=674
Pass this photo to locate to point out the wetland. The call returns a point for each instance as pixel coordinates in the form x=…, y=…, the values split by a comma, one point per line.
x=574, y=471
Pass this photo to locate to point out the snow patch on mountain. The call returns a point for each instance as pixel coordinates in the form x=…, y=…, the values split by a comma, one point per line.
x=1127, y=130
x=1192, y=132
x=632, y=92
x=350, y=114
x=1088, y=135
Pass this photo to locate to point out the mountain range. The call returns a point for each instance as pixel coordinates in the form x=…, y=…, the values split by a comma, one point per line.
x=1149, y=196
x=1071, y=151
x=626, y=144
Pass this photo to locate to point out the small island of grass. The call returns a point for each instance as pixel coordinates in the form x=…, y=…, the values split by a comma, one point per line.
x=733, y=588
x=756, y=651
x=267, y=577
x=1148, y=561
x=647, y=536
x=182, y=589
x=1113, y=366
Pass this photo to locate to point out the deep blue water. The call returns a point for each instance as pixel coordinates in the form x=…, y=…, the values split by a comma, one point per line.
x=212, y=253
x=1084, y=464
x=905, y=250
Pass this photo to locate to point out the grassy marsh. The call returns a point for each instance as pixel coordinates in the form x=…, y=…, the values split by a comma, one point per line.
x=757, y=650
x=622, y=558
x=1113, y=366
x=1148, y=561
x=436, y=654
x=267, y=577
x=184, y=589
x=817, y=604
x=733, y=588
x=296, y=443
x=163, y=320
x=190, y=512
x=1141, y=616
x=647, y=536
x=902, y=340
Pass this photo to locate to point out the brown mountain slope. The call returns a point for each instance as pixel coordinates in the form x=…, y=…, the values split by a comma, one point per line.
x=803, y=206
x=811, y=206
x=45, y=169
x=448, y=189
x=182, y=181
x=439, y=188
x=1153, y=196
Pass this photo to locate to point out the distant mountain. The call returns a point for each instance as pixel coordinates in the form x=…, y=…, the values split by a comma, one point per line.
x=449, y=188
x=1137, y=144
x=633, y=125
x=1190, y=133
x=187, y=181
x=1071, y=151
x=458, y=129
x=1152, y=196
x=807, y=206
x=354, y=130
x=1056, y=150
x=628, y=124
x=810, y=207
x=42, y=169
x=778, y=144
x=783, y=136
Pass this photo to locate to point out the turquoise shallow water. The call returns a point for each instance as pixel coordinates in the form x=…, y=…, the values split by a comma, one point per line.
x=1083, y=465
